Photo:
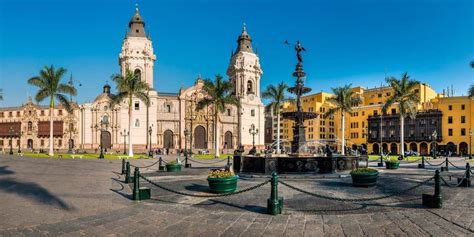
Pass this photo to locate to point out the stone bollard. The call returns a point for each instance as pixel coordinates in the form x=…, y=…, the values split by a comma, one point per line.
x=467, y=181
x=136, y=184
x=422, y=165
x=161, y=167
x=123, y=166
x=434, y=200
x=128, y=178
x=274, y=203
x=446, y=163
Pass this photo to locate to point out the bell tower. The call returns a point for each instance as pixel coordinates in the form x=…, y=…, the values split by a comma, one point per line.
x=244, y=72
x=137, y=50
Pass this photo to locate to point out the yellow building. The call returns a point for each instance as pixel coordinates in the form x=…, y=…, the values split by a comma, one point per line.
x=450, y=117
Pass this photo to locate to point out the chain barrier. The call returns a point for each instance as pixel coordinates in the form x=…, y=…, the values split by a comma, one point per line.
x=144, y=167
x=454, y=185
x=433, y=164
x=206, y=195
x=355, y=199
x=455, y=166
x=206, y=163
x=413, y=161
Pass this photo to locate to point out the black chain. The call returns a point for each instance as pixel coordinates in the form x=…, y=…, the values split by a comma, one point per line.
x=143, y=167
x=433, y=164
x=413, y=161
x=206, y=195
x=457, y=167
x=455, y=185
x=355, y=199
x=206, y=163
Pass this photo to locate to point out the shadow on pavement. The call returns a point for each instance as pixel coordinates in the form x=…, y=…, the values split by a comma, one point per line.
x=34, y=192
x=197, y=187
x=5, y=171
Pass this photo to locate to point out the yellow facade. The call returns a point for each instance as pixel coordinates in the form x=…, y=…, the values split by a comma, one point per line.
x=328, y=130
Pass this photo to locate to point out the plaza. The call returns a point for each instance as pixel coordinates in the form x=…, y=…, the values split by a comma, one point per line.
x=65, y=197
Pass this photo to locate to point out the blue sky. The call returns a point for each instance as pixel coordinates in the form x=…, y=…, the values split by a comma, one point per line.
x=354, y=42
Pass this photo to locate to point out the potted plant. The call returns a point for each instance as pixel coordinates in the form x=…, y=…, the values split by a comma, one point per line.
x=222, y=181
x=364, y=177
x=173, y=166
x=392, y=164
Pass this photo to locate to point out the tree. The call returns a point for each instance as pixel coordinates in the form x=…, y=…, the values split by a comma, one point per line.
x=50, y=87
x=219, y=95
x=130, y=86
x=277, y=97
x=470, y=91
x=343, y=101
x=1, y=94
x=405, y=97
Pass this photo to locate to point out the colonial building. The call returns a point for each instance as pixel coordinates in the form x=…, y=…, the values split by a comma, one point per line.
x=161, y=124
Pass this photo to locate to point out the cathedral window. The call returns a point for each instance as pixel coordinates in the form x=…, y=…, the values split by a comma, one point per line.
x=168, y=108
x=60, y=142
x=138, y=73
x=252, y=113
x=249, y=87
x=30, y=126
x=137, y=105
x=60, y=112
x=228, y=112
x=137, y=123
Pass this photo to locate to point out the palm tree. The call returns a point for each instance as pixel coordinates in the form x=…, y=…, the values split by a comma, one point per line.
x=219, y=95
x=277, y=97
x=50, y=87
x=470, y=91
x=129, y=86
x=343, y=100
x=406, y=98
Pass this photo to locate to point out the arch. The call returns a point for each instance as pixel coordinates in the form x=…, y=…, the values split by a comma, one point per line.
x=463, y=148
x=168, y=139
x=228, y=144
x=451, y=147
x=393, y=149
x=413, y=147
x=424, y=149
x=354, y=147
x=29, y=143
x=138, y=73
x=200, y=137
x=385, y=148
x=106, y=139
x=250, y=87
x=375, y=148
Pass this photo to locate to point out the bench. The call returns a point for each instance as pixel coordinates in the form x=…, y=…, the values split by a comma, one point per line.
x=77, y=156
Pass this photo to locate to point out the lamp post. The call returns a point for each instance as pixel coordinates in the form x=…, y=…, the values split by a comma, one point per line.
x=253, y=131
x=366, y=132
x=69, y=150
x=124, y=135
x=11, y=131
x=186, y=134
x=150, y=152
x=470, y=143
x=19, y=134
x=433, y=144
x=102, y=123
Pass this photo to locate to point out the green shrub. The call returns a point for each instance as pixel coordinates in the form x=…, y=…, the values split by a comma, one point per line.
x=220, y=174
x=364, y=171
x=392, y=161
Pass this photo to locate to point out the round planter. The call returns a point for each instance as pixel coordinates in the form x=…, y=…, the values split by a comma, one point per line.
x=223, y=185
x=392, y=165
x=173, y=167
x=365, y=179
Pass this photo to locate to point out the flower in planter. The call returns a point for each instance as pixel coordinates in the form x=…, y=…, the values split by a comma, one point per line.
x=220, y=173
x=364, y=171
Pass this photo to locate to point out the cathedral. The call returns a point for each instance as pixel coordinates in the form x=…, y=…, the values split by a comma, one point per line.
x=162, y=124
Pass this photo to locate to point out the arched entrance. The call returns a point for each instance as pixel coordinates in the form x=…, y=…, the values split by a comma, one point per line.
x=450, y=147
x=29, y=143
x=375, y=148
x=393, y=149
x=463, y=150
x=228, y=140
x=385, y=148
x=168, y=139
x=424, y=149
x=413, y=147
x=106, y=139
x=200, y=137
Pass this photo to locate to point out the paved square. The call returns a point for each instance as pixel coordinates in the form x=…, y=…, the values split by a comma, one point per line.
x=54, y=197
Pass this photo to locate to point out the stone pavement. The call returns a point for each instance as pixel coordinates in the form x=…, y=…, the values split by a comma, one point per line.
x=54, y=197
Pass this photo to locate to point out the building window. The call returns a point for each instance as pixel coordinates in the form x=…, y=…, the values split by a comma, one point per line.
x=42, y=112
x=463, y=107
x=379, y=95
x=252, y=113
x=450, y=119
x=249, y=87
x=2, y=115
x=42, y=142
x=394, y=111
x=228, y=112
x=60, y=112
x=29, y=112
x=450, y=107
x=1, y=142
x=417, y=91
x=137, y=123
x=18, y=113
x=10, y=114
x=375, y=112
x=463, y=132
x=450, y=132
x=60, y=142
x=463, y=119
x=18, y=142
x=137, y=105
x=138, y=73
x=168, y=108
x=30, y=126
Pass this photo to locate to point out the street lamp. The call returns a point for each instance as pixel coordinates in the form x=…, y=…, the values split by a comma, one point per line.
x=150, y=152
x=71, y=130
x=470, y=143
x=186, y=134
x=433, y=144
x=19, y=134
x=103, y=122
x=253, y=131
x=124, y=135
x=11, y=131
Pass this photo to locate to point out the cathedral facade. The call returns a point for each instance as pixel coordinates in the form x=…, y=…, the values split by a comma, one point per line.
x=163, y=123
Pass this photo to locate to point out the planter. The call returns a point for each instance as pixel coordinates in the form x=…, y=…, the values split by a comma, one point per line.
x=365, y=179
x=223, y=185
x=391, y=165
x=173, y=167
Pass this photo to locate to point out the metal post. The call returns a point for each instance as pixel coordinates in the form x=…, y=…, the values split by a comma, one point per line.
x=161, y=167
x=123, y=166
x=470, y=143
x=228, y=161
x=186, y=134
x=136, y=184
x=437, y=193
x=447, y=164
x=468, y=175
x=150, y=152
x=274, y=204
x=127, y=172
x=422, y=165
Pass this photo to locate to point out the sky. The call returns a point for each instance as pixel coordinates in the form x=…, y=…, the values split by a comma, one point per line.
x=355, y=42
